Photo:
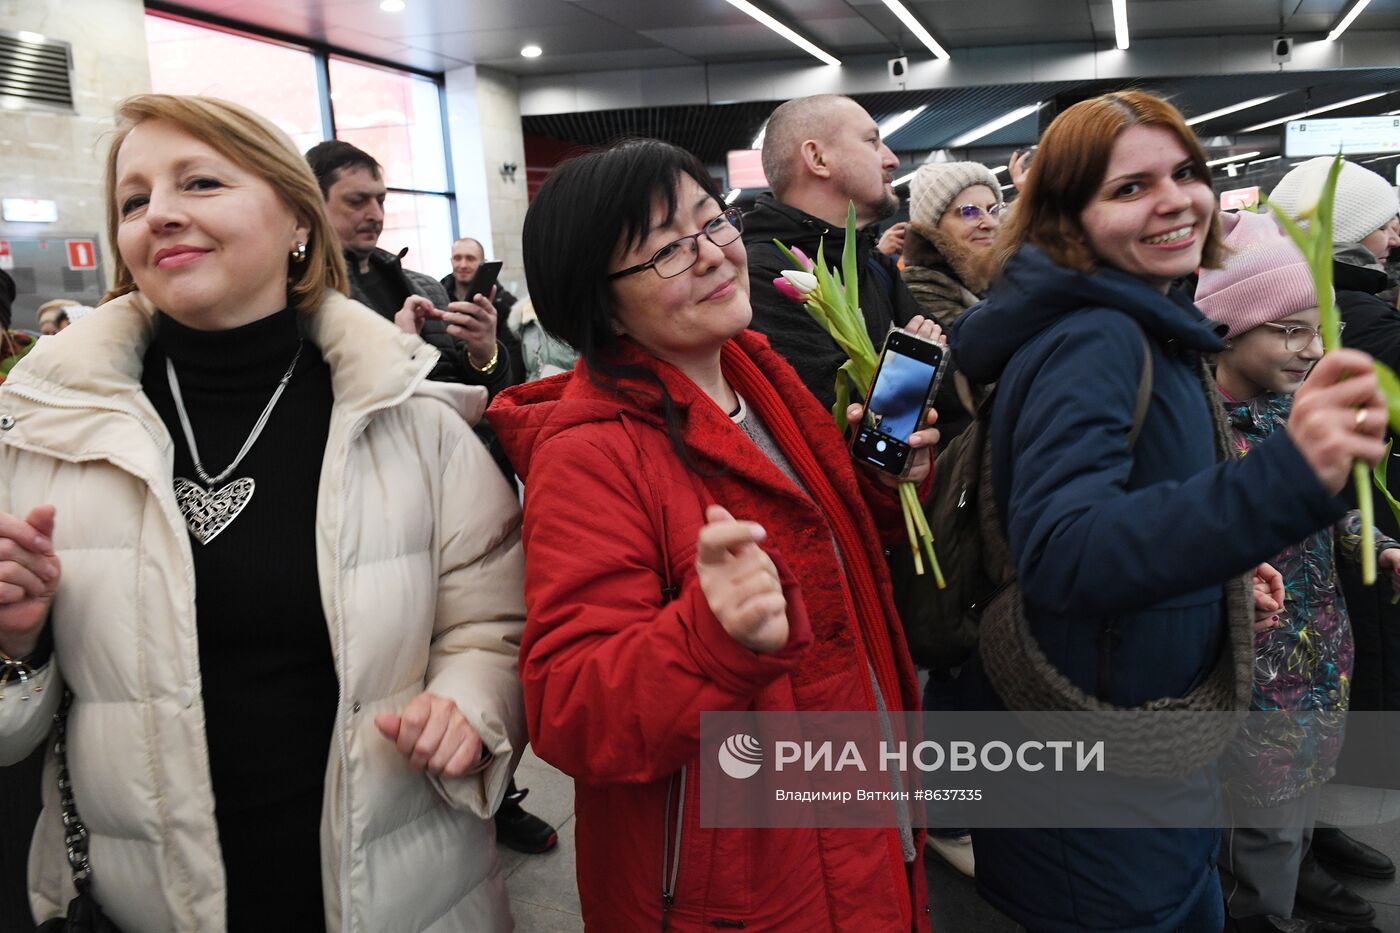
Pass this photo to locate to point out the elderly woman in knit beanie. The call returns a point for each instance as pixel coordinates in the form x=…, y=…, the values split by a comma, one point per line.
x=954, y=208
x=1264, y=295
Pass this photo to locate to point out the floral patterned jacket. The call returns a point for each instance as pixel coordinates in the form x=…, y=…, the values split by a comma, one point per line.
x=1304, y=665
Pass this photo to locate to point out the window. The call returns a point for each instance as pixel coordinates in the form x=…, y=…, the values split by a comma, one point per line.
x=393, y=115
x=274, y=80
x=423, y=223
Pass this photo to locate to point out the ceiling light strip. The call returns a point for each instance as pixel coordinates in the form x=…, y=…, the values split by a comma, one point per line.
x=1120, y=23
x=897, y=122
x=1233, y=108
x=1234, y=158
x=1316, y=110
x=746, y=7
x=917, y=28
x=1346, y=20
x=986, y=129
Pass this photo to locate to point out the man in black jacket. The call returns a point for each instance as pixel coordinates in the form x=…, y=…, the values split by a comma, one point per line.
x=467, y=256
x=821, y=154
x=464, y=333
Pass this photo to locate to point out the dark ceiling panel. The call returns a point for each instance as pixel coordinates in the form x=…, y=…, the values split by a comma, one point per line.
x=711, y=131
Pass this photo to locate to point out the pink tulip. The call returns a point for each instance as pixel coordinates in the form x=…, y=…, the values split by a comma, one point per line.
x=806, y=263
x=786, y=289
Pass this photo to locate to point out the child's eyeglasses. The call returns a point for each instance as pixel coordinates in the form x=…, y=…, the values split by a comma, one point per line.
x=1297, y=337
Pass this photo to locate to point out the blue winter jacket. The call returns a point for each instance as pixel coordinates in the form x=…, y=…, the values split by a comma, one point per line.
x=1122, y=555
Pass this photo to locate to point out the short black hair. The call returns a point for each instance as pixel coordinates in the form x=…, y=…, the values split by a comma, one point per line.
x=330, y=158
x=590, y=207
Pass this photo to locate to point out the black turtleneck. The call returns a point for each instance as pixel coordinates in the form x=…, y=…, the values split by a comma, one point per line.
x=269, y=682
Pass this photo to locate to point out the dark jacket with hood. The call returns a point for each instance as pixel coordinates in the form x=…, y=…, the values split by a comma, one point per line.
x=1117, y=550
x=884, y=300
x=453, y=366
x=1373, y=325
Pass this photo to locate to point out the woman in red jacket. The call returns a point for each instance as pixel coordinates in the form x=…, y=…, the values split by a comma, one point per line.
x=697, y=538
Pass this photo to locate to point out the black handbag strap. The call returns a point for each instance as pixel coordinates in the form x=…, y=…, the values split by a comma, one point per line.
x=75, y=834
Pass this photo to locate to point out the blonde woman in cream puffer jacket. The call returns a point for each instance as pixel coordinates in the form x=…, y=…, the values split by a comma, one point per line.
x=422, y=592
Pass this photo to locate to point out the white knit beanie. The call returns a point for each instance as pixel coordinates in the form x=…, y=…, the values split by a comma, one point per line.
x=1365, y=201
x=935, y=185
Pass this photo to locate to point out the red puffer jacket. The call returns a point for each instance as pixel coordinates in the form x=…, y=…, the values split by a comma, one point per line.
x=616, y=676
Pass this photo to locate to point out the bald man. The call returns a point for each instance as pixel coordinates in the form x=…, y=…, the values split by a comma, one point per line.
x=820, y=154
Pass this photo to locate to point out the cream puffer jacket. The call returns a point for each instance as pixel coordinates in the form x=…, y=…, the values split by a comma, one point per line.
x=418, y=549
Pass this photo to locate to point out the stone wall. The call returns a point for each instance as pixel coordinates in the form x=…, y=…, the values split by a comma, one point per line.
x=58, y=156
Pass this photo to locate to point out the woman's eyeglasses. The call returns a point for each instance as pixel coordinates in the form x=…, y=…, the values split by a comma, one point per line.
x=1297, y=337
x=972, y=213
x=679, y=255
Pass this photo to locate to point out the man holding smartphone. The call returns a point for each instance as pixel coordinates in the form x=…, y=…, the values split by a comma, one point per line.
x=472, y=275
x=464, y=333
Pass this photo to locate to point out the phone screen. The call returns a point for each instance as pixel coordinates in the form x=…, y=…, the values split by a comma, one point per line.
x=904, y=383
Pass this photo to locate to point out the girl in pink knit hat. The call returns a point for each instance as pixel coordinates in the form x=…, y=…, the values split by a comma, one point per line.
x=1264, y=295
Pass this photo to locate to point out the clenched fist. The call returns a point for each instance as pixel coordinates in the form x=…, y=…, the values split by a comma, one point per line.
x=29, y=575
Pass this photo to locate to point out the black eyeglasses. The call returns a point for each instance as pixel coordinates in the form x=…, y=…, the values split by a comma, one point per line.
x=1297, y=336
x=679, y=255
x=972, y=213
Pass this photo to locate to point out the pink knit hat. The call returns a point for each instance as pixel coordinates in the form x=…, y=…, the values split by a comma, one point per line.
x=1264, y=278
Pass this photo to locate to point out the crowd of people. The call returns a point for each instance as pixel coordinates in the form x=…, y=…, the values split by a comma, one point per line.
x=266, y=574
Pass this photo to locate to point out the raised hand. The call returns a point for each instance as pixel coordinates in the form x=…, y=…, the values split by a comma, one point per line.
x=474, y=323
x=416, y=309
x=1339, y=417
x=740, y=582
x=922, y=442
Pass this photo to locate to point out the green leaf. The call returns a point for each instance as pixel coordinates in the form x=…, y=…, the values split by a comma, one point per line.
x=848, y=258
x=791, y=257
x=1378, y=477
x=843, y=398
x=1390, y=388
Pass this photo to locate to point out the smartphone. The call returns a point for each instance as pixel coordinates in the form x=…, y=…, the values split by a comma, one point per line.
x=905, y=382
x=484, y=279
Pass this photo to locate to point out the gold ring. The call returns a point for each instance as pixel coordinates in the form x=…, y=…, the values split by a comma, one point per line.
x=1361, y=415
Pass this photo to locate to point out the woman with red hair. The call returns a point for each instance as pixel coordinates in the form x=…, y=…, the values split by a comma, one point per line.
x=1131, y=529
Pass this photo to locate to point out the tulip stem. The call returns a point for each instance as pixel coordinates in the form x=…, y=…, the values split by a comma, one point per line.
x=1365, y=503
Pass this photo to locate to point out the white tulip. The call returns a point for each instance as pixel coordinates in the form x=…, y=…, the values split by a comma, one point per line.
x=804, y=282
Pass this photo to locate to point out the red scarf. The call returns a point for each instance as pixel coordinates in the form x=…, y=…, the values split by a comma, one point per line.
x=860, y=587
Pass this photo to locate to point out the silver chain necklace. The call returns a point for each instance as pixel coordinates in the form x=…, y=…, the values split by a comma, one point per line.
x=209, y=511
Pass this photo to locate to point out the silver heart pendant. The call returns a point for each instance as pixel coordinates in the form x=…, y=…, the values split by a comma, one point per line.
x=209, y=512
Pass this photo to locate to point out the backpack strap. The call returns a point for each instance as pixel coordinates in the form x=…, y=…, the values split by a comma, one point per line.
x=1144, y=392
